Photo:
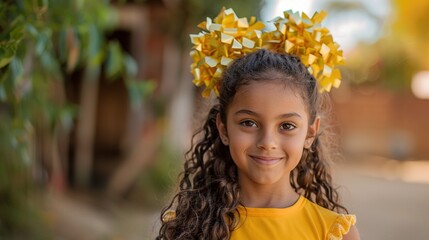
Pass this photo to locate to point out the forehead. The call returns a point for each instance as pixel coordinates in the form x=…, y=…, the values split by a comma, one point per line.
x=268, y=97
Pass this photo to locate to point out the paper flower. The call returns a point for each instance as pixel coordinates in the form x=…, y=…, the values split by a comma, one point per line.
x=228, y=37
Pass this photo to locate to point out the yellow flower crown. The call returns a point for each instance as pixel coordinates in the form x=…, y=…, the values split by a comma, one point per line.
x=228, y=37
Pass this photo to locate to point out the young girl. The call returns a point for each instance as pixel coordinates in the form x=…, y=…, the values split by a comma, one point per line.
x=260, y=170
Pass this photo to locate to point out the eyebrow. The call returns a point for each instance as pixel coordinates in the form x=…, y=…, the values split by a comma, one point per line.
x=252, y=113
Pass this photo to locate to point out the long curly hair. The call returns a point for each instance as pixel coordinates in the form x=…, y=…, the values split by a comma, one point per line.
x=206, y=203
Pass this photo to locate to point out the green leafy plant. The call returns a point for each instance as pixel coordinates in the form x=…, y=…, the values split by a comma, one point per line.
x=42, y=42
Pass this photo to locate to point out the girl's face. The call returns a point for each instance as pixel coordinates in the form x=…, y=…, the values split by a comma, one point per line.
x=267, y=128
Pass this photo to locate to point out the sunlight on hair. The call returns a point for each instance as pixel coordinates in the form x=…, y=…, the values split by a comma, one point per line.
x=420, y=85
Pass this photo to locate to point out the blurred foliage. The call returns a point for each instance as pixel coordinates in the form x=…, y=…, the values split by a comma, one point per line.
x=393, y=59
x=41, y=41
x=383, y=63
x=153, y=188
x=186, y=14
x=410, y=29
x=18, y=210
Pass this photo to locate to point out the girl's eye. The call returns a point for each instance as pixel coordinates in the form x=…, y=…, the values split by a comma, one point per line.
x=287, y=126
x=248, y=123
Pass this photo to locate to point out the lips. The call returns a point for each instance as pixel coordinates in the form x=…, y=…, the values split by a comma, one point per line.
x=266, y=160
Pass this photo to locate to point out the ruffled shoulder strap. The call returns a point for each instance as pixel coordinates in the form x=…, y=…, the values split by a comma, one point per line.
x=341, y=226
x=169, y=215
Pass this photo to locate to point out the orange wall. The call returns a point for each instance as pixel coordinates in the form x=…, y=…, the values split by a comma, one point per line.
x=380, y=122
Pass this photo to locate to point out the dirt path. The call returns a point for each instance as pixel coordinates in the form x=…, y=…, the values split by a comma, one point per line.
x=388, y=207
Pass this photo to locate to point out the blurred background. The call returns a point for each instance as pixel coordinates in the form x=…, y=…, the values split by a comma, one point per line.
x=97, y=109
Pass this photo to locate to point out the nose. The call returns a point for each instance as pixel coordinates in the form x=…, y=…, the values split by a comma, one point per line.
x=267, y=140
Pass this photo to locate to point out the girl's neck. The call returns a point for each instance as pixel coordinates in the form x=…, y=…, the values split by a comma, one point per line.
x=267, y=196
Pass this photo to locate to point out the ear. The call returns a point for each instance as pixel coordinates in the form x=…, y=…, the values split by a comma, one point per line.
x=221, y=128
x=313, y=129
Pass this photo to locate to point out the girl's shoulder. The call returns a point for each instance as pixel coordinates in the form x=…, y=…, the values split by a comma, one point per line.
x=341, y=226
x=337, y=223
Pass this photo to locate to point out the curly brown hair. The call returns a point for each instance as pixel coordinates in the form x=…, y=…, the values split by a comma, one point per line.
x=206, y=203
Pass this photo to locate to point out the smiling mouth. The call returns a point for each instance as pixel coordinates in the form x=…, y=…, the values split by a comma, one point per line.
x=266, y=160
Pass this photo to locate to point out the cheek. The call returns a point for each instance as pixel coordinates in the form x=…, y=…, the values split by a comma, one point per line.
x=293, y=145
x=294, y=149
x=240, y=141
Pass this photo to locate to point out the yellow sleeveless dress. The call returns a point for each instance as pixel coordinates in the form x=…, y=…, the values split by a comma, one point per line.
x=304, y=220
